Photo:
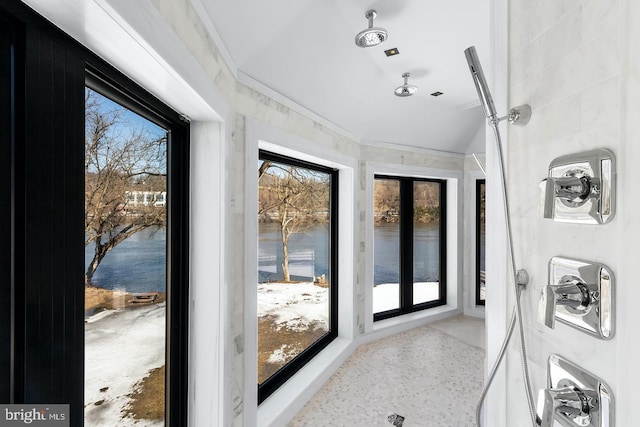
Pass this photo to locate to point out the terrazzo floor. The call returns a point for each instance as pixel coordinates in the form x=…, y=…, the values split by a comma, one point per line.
x=431, y=376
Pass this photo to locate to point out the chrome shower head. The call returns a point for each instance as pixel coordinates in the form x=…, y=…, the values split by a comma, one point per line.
x=480, y=82
x=371, y=36
x=406, y=89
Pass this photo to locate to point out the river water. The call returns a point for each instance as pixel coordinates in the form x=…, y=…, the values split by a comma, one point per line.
x=309, y=253
x=138, y=264
x=426, y=264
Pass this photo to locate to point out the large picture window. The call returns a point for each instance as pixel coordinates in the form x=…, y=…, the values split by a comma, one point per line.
x=135, y=235
x=80, y=143
x=297, y=266
x=409, y=245
x=125, y=264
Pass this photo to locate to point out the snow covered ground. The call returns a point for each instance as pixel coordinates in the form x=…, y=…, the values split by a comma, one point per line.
x=121, y=347
x=386, y=296
x=297, y=305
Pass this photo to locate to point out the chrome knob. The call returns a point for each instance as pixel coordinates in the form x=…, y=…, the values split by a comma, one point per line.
x=566, y=402
x=579, y=188
x=573, y=190
x=570, y=292
x=573, y=397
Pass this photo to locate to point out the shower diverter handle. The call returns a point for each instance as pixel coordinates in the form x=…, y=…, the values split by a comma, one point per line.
x=573, y=397
x=570, y=292
x=580, y=188
x=574, y=188
x=571, y=402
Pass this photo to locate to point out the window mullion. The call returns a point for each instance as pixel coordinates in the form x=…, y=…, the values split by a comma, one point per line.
x=406, y=245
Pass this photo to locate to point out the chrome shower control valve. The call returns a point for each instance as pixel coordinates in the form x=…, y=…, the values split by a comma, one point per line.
x=579, y=294
x=569, y=401
x=575, y=187
x=573, y=397
x=580, y=188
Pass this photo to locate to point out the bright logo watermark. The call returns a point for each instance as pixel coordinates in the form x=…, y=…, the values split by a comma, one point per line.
x=36, y=415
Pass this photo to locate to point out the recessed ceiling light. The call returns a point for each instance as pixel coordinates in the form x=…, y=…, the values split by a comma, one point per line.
x=391, y=52
x=436, y=94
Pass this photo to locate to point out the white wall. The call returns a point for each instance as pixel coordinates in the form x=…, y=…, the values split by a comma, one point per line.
x=496, y=314
x=169, y=50
x=576, y=62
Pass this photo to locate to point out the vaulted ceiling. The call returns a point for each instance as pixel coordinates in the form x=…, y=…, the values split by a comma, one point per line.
x=305, y=50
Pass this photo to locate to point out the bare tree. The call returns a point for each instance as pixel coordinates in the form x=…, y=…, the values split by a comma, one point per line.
x=297, y=197
x=120, y=159
x=386, y=200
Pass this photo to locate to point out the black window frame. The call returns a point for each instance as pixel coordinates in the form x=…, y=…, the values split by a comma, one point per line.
x=10, y=48
x=406, y=247
x=270, y=385
x=479, y=248
x=44, y=339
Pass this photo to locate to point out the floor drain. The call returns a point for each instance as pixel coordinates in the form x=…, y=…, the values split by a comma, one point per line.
x=395, y=419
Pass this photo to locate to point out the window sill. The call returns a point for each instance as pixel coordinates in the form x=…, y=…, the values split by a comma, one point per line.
x=290, y=398
x=398, y=324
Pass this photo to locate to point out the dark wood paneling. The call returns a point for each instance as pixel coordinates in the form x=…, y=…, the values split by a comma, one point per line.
x=42, y=349
x=53, y=257
x=6, y=153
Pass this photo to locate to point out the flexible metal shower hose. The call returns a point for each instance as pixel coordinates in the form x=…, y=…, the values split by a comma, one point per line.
x=516, y=313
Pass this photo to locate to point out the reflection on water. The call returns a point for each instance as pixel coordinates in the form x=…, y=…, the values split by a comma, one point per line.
x=308, y=253
x=426, y=252
x=138, y=264
x=387, y=253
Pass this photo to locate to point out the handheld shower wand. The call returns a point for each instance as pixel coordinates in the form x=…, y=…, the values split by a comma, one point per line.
x=520, y=116
x=481, y=83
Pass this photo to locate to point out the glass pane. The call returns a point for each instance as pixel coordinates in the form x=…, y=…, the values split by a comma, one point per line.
x=426, y=241
x=481, y=285
x=294, y=278
x=386, y=245
x=125, y=261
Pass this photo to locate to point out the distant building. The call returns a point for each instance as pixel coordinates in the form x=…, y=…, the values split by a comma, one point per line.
x=146, y=198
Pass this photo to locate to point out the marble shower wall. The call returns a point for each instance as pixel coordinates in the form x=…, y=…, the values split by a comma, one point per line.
x=576, y=62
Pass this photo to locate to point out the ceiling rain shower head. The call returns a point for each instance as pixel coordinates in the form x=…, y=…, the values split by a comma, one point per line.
x=371, y=36
x=406, y=89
